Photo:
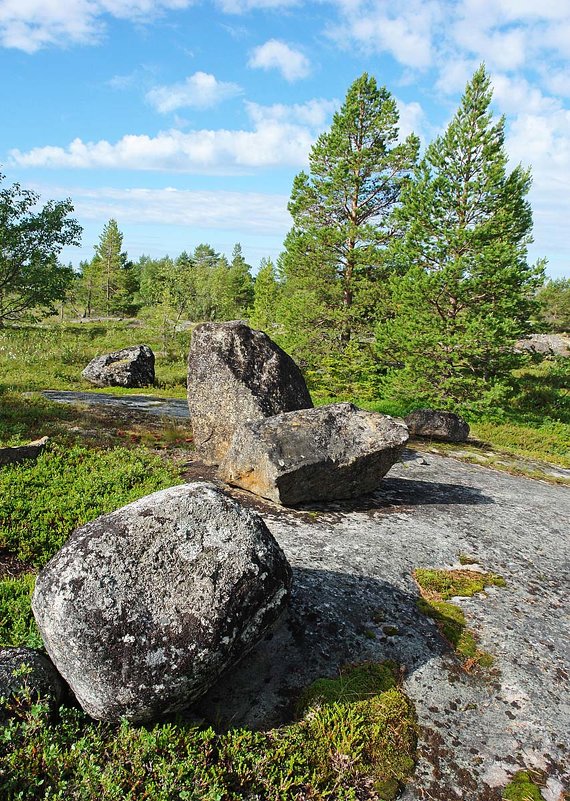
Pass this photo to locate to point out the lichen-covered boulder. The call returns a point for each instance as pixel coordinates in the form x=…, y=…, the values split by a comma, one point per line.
x=27, y=676
x=433, y=424
x=142, y=609
x=235, y=375
x=129, y=367
x=336, y=451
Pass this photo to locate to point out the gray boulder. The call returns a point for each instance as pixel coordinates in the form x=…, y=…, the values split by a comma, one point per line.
x=433, y=424
x=142, y=609
x=236, y=375
x=335, y=451
x=26, y=676
x=129, y=367
x=20, y=453
x=545, y=344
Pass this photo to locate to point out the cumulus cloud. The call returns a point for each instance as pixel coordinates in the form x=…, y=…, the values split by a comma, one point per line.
x=404, y=31
x=292, y=64
x=200, y=90
x=30, y=25
x=243, y=6
x=280, y=136
x=251, y=212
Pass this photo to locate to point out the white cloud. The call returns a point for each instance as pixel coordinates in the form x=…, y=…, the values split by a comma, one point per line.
x=250, y=212
x=404, y=31
x=200, y=90
x=29, y=25
x=281, y=136
x=292, y=64
x=412, y=119
x=242, y=6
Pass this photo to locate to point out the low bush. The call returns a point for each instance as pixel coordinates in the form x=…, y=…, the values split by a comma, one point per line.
x=42, y=502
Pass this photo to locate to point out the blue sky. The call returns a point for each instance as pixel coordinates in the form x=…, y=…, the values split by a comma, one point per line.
x=186, y=120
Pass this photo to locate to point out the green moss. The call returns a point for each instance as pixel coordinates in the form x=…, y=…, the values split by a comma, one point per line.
x=436, y=587
x=522, y=788
x=17, y=624
x=353, y=684
x=337, y=750
x=449, y=583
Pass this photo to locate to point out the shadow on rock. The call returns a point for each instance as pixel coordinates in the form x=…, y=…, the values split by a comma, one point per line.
x=333, y=619
x=398, y=492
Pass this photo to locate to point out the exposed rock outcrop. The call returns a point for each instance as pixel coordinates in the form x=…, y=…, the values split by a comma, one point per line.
x=129, y=367
x=236, y=375
x=433, y=424
x=546, y=344
x=335, y=451
x=143, y=608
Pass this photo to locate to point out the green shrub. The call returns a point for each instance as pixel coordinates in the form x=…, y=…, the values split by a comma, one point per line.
x=17, y=624
x=42, y=502
x=342, y=751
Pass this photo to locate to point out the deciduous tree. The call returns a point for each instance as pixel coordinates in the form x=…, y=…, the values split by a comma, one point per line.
x=31, y=239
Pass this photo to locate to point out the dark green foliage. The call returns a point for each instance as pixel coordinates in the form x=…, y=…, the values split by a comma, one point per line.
x=342, y=750
x=31, y=279
x=554, y=300
x=42, y=502
x=17, y=624
x=462, y=290
x=333, y=266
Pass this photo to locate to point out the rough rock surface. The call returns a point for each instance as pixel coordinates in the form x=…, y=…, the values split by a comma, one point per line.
x=434, y=424
x=236, y=375
x=20, y=453
x=352, y=585
x=129, y=367
x=143, y=608
x=547, y=344
x=29, y=669
x=335, y=451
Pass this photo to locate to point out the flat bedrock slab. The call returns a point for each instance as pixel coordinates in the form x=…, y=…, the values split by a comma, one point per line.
x=129, y=367
x=335, y=451
x=236, y=375
x=434, y=424
x=143, y=608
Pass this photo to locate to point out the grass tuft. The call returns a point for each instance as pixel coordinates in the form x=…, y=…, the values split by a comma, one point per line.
x=523, y=787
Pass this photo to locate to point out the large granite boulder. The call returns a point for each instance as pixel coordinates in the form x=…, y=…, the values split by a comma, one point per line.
x=129, y=367
x=142, y=609
x=335, y=451
x=432, y=424
x=236, y=375
x=27, y=676
x=545, y=344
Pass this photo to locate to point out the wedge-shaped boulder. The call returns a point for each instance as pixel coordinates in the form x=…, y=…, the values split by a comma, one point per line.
x=236, y=375
x=433, y=424
x=335, y=451
x=129, y=367
x=142, y=609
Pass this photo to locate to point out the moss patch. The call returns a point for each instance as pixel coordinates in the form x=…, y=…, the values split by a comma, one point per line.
x=437, y=587
x=522, y=787
x=358, y=744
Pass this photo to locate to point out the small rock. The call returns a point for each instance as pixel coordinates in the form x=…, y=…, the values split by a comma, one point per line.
x=129, y=367
x=236, y=375
x=433, y=424
x=143, y=608
x=335, y=451
x=26, y=676
x=19, y=453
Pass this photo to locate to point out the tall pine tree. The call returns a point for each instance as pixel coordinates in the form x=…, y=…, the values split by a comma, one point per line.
x=333, y=263
x=462, y=291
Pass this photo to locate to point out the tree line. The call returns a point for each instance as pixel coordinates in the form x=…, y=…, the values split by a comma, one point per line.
x=402, y=276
